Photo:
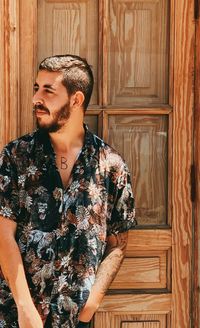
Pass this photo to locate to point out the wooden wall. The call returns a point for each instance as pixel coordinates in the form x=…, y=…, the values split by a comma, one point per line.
x=9, y=68
x=196, y=300
x=16, y=67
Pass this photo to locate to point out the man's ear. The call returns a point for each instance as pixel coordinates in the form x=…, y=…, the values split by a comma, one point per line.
x=77, y=99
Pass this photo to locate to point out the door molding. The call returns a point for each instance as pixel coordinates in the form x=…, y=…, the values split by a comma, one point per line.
x=196, y=277
x=183, y=102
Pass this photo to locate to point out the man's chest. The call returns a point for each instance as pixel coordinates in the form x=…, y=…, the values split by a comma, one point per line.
x=64, y=184
x=65, y=164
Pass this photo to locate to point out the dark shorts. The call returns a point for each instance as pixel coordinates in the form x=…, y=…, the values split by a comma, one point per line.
x=8, y=317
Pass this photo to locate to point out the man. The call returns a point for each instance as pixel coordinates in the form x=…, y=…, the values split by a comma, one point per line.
x=66, y=205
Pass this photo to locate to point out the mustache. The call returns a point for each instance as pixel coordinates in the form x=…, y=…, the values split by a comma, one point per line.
x=40, y=107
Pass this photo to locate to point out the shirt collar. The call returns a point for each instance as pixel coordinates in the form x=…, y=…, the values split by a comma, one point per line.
x=43, y=141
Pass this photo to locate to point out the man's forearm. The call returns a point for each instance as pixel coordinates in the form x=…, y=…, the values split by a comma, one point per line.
x=106, y=273
x=12, y=265
x=13, y=270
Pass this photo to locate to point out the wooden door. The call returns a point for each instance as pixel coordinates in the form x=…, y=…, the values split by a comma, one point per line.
x=142, y=52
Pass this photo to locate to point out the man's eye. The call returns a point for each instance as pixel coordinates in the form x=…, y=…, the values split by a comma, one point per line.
x=48, y=91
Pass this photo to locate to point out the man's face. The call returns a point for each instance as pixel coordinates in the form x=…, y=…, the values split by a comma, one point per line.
x=51, y=102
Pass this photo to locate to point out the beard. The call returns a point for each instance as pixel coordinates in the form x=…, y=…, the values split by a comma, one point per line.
x=60, y=117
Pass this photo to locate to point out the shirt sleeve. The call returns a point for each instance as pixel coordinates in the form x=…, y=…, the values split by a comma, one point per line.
x=9, y=200
x=123, y=212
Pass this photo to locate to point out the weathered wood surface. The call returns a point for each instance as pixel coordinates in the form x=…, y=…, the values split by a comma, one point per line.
x=183, y=103
x=196, y=290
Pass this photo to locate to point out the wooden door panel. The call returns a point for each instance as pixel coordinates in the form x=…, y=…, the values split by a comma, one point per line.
x=138, y=50
x=143, y=141
x=147, y=264
x=144, y=270
x=69, y=27
x=136, y=303
x=120, y=320
x=146, y=324
x=9, y=66
x=27, y=62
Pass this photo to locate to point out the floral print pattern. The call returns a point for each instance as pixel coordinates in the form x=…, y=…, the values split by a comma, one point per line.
x=61, y=232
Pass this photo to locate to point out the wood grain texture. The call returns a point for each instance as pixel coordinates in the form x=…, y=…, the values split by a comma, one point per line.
x=138, y=52
x=70, y=27
x=2, y=80
x=100, y=74
x=182, y=159
x=28, y=62
x=196, y=250
x=92, y=123
x=121, y=320
x=151, y=110
x=9, y=70
x=94, y=118
x=160, y=304
x=152, y=239
x=145, y=270
x=171, y=52
x=142, y=141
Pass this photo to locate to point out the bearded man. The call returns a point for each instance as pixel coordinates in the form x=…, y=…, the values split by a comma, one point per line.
x=66, y=205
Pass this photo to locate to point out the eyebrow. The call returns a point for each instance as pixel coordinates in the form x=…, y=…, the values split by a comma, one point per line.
x=47, y=86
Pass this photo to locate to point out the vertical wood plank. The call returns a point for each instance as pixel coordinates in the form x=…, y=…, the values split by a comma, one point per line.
x=2, y=80
x=70, y=27
x=138, y=46
x=100, y=54
x=142, y=141
x=182, y=159
x=13, y=69
x=171, y=52
x=28, y=61
x=196, y=282
x=9, y=36
x=105, y=52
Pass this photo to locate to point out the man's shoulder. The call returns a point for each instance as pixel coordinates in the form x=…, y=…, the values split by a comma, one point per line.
x=24, y=142
x=109, y=154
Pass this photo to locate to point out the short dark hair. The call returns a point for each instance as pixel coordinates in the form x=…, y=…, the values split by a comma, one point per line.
x=77, y=74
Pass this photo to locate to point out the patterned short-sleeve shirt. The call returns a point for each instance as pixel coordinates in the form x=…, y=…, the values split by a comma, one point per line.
x=61, y=232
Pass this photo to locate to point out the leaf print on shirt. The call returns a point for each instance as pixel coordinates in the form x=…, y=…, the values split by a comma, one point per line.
x=6, y=211
x=4, y=182
x=21, y=180
x=83, y=216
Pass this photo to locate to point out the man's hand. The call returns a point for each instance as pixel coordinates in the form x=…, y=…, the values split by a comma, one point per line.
x=28, y=317
x=114, y=254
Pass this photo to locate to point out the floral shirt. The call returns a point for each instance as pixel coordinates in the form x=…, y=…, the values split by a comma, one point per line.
x=61, y=232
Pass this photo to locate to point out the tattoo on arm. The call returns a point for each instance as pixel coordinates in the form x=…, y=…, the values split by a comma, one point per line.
x=113, y=258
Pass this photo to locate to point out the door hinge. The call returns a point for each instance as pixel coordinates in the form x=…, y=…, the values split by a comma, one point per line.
x=196, y=9
x=193, y=183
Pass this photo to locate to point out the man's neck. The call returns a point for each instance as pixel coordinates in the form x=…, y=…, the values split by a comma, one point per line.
x=68, y=137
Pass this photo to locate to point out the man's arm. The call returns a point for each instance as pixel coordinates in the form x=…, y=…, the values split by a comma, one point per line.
x=114, y=254
x=13, y=271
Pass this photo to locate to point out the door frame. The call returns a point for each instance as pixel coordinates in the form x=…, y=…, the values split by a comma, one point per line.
x=196, y=250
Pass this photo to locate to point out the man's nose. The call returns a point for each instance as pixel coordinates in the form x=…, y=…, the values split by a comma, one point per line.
x=37, y=99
